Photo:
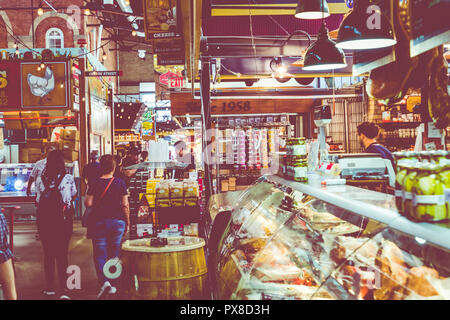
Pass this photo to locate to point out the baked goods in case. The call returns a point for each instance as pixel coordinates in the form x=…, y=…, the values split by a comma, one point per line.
x=418, y=281
x=393, y=272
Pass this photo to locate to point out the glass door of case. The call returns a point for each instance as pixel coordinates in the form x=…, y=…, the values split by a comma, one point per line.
x=288, y=245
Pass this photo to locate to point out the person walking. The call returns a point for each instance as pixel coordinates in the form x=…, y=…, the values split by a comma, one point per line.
x=36, y=173
x=38, y=169
x=55, y=191
x=7, y=280
x=131, y=159
x=91, y=171
x=118, y=172
x=109, y=220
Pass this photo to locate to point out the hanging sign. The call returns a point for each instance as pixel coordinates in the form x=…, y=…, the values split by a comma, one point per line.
x=183, y=103
x=44, y=87
x=148, y=126
x=160, y=19
x=9, y=85
x=430, y=25
x=170, y=59
x=103, y=73
x=168, y=46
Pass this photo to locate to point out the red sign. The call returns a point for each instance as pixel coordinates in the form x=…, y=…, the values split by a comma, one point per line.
x=164, y=78
x=9, y=85
x=176, y=82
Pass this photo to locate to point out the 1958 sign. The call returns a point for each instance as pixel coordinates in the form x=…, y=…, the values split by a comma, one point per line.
x=223, y=107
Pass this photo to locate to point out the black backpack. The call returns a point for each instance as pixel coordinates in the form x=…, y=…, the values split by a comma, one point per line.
x=51, y=203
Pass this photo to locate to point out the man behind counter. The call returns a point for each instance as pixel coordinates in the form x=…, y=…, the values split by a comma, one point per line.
x=368, y=132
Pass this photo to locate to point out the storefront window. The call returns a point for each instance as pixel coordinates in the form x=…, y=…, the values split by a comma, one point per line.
x=54, y=38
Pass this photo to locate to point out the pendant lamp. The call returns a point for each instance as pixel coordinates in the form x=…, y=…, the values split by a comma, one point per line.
x=365, y=28
x=312, y=9
x=323, y=54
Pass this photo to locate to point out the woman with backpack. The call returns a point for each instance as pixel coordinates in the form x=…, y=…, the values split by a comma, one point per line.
x=55, y=191
x=109, y=220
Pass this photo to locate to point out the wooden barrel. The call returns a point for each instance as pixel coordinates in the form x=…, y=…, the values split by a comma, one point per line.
x=172, y=272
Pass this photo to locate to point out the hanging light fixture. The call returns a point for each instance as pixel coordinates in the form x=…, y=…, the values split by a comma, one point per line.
x=365, y=28
x=312, y=9
x=134, y=33
x=323, y=54
x=40, y=10
x=278, y=68
x=104, y=56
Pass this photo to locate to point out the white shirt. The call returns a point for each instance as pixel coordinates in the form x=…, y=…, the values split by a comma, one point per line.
x=67, y=188
x=38, y=169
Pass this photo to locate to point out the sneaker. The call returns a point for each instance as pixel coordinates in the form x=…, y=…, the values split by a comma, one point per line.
x=112, y=290
x=105, y=288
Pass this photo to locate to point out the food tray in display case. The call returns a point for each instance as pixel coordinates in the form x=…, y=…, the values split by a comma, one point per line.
x=284, y=243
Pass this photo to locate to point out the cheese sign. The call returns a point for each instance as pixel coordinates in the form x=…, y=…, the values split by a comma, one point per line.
x=160, y=19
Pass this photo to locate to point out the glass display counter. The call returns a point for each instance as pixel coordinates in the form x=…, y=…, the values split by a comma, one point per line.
x=287, y=240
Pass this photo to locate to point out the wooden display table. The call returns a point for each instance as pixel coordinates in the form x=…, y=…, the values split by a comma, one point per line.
x=175, y=271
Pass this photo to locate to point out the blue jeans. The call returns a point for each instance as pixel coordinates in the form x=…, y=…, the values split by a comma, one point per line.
x=106, y=238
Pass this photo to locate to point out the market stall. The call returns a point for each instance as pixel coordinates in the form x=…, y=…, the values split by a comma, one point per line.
x=39, y=109
x=288, y=240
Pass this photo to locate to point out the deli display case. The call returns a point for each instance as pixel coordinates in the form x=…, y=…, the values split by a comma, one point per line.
x=288, y=240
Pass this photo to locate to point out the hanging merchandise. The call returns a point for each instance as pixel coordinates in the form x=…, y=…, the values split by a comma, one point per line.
x=251, y=148
x=264, y=149
x=241, y=148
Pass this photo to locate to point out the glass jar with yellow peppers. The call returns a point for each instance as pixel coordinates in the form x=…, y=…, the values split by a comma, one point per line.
x=428, y=192
x=445, y=178
x=402, y=170
x=407, y=188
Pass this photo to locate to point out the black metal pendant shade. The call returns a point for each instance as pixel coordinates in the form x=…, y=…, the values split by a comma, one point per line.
x=358, y=32
x=312, y=9
x=323, y=54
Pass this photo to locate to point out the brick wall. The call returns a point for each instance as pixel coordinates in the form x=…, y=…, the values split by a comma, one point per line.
x=21, y=21
x=134, y=68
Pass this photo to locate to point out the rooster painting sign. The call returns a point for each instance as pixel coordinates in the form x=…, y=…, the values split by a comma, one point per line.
x=44, y=87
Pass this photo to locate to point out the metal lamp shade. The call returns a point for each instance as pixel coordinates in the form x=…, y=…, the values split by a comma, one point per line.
x=354, y=33
x=312, y=9
x=323, y=54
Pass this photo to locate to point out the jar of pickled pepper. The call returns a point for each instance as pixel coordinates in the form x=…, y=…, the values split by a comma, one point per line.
x=402, y=170
x=399, y=156
x=444, y=176
x=429, y=194
x=296, y=147
x=300, y=171
x=407, y=186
